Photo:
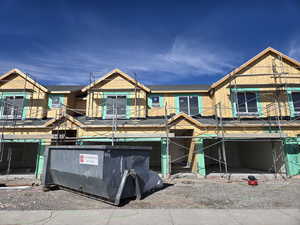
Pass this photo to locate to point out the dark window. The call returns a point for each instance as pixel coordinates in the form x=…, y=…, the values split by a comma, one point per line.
x=116, y=106
x=183, y=104
x=194, y=108
x=246, y=103
x=189, y=105
x=155, y=101
x=296, y=101
x=13, y=107
x=55, y=102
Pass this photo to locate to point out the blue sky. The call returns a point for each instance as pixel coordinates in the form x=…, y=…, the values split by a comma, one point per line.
x=162, y=42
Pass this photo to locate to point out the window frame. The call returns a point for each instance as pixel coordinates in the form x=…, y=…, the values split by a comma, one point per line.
x=55, y=105
x=188, y=104
x=293, y=102
x=61, y=99
x=246, y=113
x=155, y=104
x=13, y=116
x=111, y=116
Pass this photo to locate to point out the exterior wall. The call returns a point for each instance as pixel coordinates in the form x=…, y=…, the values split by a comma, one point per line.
x=116, y=85
x=224, y=95
x=171, y=103
x=166, y=100
x=35, y=102
x=53, y=112
x=81, y=105
x=135, y=108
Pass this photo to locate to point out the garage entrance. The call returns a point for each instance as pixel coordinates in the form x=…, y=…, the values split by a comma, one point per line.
x=249, y=156
x=155, y=153
x=18, y=158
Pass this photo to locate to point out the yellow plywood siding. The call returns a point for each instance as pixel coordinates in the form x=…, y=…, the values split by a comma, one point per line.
x=57, y=112
x=265, y=65
x=36, y=102
x=207, y=106
x=136, y=97
x=168, y=103
x=114, y=82
x=15, y=81
x=80, y=106
x=37, y=105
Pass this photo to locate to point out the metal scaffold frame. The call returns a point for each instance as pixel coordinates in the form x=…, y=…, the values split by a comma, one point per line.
x=280, y=85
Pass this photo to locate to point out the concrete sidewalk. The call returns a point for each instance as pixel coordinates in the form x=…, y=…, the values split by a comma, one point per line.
x=153, y=216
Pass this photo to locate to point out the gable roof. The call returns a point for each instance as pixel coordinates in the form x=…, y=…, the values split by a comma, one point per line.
x=186, y=117
x=67, y=117
x=252, y=60
x=25, y=76
x=111, y=73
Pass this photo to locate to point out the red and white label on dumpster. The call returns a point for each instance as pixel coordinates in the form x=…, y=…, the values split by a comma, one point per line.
x=89, y=159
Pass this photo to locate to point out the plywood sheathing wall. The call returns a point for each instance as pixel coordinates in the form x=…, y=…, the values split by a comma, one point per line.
x=261, y=66
x=136, y=99
x=37, y=100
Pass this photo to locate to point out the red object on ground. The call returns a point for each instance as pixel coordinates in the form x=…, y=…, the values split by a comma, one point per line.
x=252, y=182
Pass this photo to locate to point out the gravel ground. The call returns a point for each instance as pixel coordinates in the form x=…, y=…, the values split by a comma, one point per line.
x=180, y=193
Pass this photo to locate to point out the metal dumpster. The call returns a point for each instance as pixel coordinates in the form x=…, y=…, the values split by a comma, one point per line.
x=110, y=172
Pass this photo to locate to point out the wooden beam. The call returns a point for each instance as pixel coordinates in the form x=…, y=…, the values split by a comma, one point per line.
x=27, y=136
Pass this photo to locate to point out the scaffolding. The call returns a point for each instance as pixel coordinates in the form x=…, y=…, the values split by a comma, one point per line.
x=275, y=107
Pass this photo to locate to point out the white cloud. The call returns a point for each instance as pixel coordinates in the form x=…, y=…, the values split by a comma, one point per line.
x=186, y=58
x=196, y=58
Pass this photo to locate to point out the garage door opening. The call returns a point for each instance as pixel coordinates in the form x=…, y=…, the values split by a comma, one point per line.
x=249, y=156
x=155, y=153
x=18, y=158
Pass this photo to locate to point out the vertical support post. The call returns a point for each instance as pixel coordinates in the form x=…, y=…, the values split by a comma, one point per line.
x=167, y=139
x=292, y=156
x=274, y=158
x=223, y=143
x=9, y=158
x=40, y=159
x=219, y=158
x=200, y=157
x=165, y=158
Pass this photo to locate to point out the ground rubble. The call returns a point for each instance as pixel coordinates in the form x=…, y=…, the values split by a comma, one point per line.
x=179, y=192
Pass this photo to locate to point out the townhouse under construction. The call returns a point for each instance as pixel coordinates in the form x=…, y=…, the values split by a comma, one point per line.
x=246, y=122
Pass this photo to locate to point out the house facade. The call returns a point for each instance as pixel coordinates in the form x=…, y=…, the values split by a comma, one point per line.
x=247, y=122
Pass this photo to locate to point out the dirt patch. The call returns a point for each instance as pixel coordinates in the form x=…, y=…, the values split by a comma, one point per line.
x=183, y=193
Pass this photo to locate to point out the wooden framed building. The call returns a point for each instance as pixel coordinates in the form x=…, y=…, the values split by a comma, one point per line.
x=245, y=122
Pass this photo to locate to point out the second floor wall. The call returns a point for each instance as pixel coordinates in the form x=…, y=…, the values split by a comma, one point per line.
x=267, y=85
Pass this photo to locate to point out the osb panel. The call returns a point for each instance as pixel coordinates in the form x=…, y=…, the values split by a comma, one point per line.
x=168, y=102
x=17, y=82
x=272, y=108
x=207, y=106
x=37, y=105
x=263, y=66
x=80, y=106
x=156, y=111
x=96, y=101
x=183, y=124
x=65, y=125
x=26, y=131
x=115, y=81
x=55, y=112
x=105, y=133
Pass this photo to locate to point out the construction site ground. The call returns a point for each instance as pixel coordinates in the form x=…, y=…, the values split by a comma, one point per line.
x=179, y=193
